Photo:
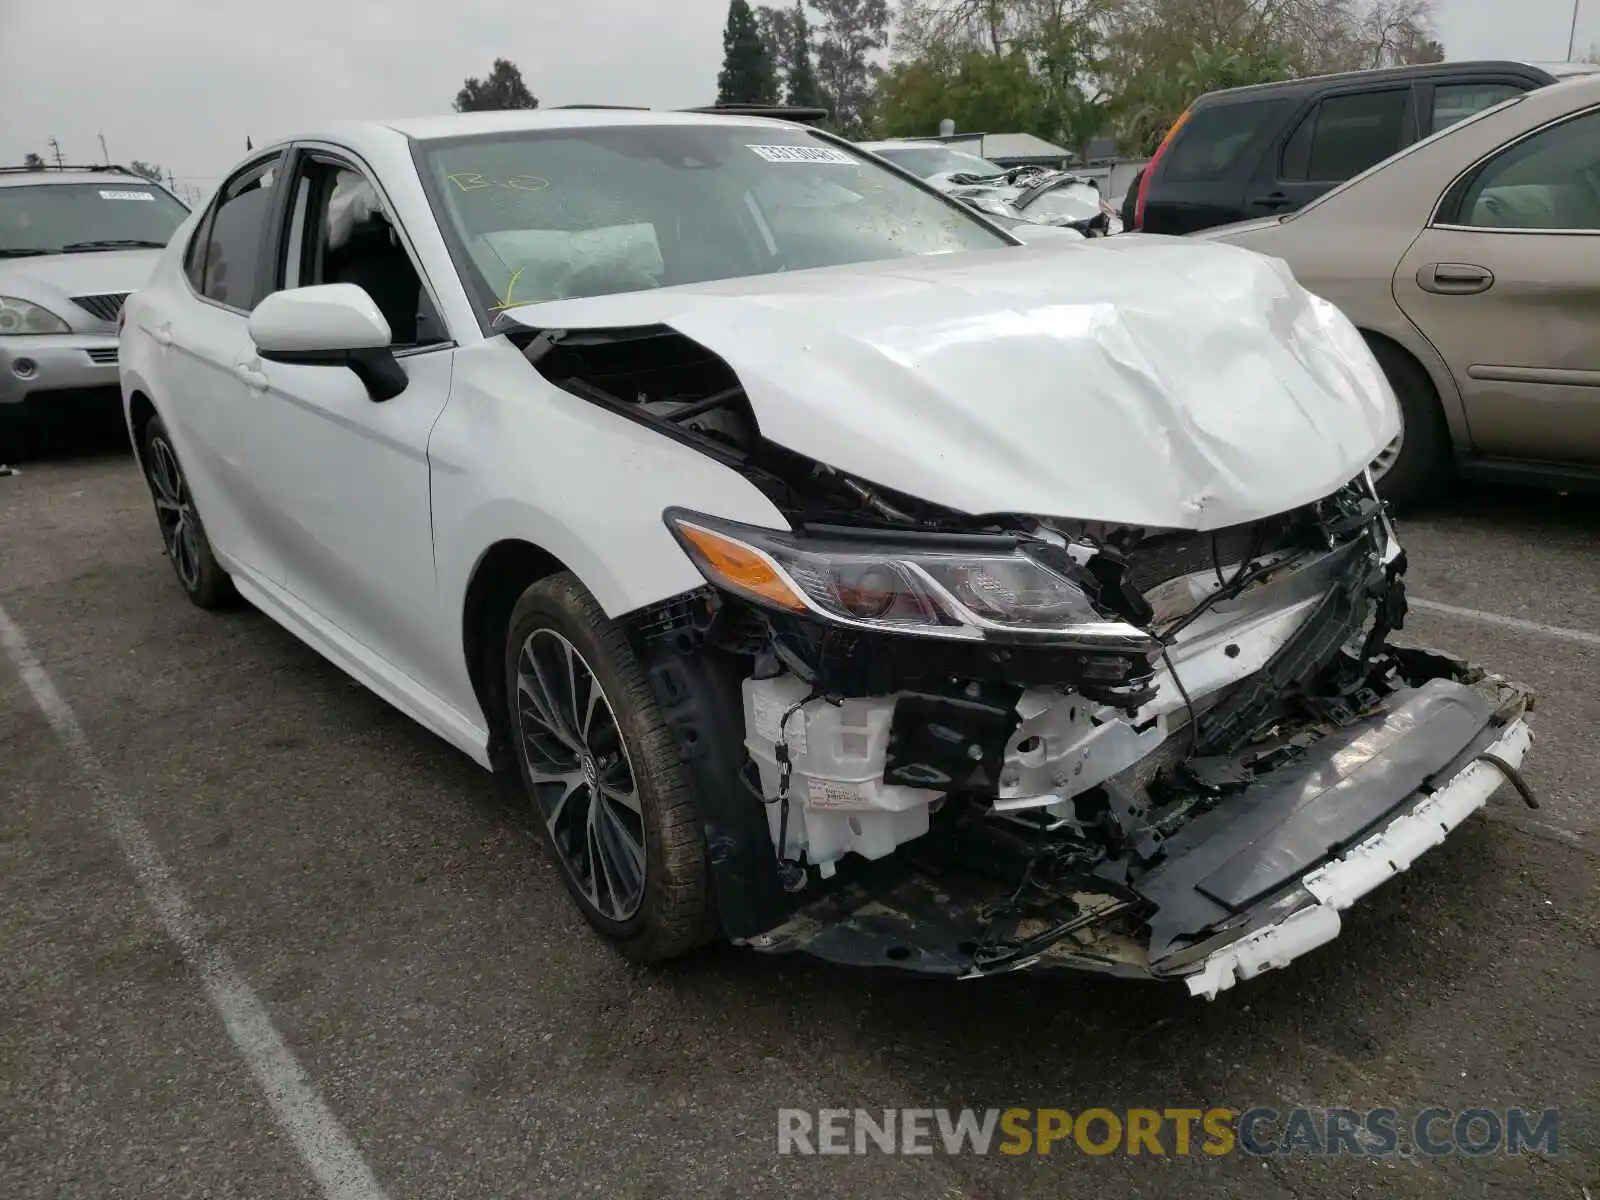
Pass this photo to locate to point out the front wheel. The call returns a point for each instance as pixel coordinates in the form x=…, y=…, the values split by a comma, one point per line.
x=183, y=536
x=602, y=771
x=1416, y=463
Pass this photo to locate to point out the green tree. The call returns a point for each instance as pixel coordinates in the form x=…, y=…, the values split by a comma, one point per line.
x=800, y=73
x=747, y=75
x=850, y=33
x=501, y=88
x=777, y=36
x=978, y=91
x=149, y=171
x=1148, y=106
x=1427, y=50
x=786, y=33
x=33, y=162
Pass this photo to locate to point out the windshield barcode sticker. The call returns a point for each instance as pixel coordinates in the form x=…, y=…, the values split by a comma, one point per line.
x=804, y=154
x=126, y=196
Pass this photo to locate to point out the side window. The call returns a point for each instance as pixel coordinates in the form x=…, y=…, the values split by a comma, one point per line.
x=1295, y=164
x=1344, y=135
x=229, y=246
x=1454, y=101
x=194, y=255
x=340, y=232
x=1550, y=180
x=1217, y=141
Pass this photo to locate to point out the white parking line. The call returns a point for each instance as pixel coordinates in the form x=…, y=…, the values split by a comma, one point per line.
x=1581, y=636
x=322, y=1142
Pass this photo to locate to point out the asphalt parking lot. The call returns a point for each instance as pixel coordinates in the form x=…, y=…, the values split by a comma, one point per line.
x=352, y=903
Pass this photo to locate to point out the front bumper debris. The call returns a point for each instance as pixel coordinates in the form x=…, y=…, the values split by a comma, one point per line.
x=1346, y=879
x=1250, y=886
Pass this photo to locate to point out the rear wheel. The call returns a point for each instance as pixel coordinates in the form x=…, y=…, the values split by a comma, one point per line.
x=1416, y=463
x=183, y=536
x=603, y=774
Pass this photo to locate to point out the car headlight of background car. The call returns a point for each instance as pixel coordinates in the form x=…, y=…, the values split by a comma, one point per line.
x=967, y=588
x=25, y=317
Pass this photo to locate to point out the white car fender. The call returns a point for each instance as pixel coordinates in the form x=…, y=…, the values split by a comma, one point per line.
x=618, y=474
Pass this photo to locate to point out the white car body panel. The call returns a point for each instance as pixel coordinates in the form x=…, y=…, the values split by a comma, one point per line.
x=614, y=474
x=1139, y=381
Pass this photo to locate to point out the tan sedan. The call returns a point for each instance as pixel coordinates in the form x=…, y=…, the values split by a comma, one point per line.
x=1471, y=261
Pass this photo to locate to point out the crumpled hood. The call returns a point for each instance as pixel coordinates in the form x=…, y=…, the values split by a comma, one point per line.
x=51, y=280
x=1140, y=380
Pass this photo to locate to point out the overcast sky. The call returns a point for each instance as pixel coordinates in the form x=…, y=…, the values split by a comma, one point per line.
x=182, y=82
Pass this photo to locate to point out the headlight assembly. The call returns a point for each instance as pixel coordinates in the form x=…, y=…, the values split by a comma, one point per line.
x=957, y=587
x=23, y=316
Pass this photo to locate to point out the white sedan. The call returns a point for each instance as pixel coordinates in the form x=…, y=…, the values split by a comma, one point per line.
x=833, y=572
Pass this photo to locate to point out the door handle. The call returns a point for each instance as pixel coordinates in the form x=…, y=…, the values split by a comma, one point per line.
x=1455, y=279
x=1273, y=200
x=250, y=377
x=162, y=335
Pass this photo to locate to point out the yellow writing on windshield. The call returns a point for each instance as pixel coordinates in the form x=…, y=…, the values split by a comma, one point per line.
x=511, y=290
x=472, y=181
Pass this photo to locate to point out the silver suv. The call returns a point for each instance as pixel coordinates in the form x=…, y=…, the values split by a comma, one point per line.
x=74, y=242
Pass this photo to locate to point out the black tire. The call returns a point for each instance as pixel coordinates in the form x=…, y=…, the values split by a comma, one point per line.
x=673, y=913
x=1423, y=465
x=199, y=575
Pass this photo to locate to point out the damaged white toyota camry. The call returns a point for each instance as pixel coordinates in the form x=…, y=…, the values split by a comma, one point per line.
x=835, y=573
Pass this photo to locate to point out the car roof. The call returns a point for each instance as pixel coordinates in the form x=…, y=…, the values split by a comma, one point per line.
x=1565, y=70
x=395, y=133
x=449, y=125
x=1411, y=71
x=18, y=176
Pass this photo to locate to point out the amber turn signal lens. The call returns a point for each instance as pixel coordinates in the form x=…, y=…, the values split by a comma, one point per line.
x=742, y=568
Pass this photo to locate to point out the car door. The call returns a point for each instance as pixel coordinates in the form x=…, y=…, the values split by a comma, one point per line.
x=1339, y=135
x=202, y=337
x=1505, y=282
x=346, y=476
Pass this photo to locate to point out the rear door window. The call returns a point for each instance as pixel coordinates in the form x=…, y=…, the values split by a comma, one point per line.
x=1550, y=180
x=1220, y=141
x=1454, y=101
x=1345, y=134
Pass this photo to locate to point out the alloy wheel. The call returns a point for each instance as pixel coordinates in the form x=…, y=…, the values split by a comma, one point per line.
x=1390, y=454
x=175, y=512
x=584, y=786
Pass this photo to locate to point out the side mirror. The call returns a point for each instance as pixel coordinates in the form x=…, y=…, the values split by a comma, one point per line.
x=330, y=324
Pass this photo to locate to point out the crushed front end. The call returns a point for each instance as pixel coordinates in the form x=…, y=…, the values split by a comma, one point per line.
x=961, y=745
x=1036, y=743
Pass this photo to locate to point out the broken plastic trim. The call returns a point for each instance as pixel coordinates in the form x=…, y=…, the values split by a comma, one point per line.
x=1337, y=885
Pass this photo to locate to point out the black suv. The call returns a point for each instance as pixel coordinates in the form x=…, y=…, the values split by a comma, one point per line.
x=1275, y=147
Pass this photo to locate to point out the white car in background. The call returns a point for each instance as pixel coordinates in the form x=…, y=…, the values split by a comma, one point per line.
x=830, y=576
x=1013, y=196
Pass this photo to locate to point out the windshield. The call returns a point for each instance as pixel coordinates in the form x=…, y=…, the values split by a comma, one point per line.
x=928, y=161
x=563, y=213
x=52, y=217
